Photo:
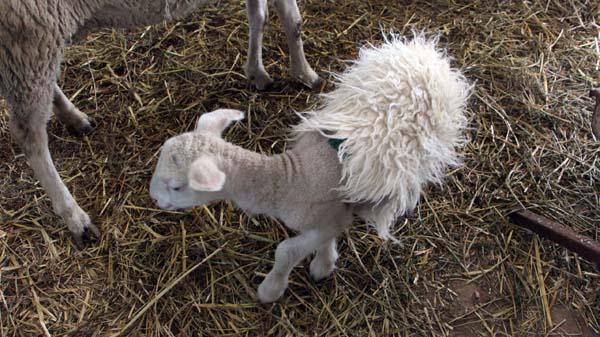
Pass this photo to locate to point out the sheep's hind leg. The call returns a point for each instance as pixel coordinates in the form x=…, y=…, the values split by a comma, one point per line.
x=287, y=255
x=254, y=68
x=292, y=23
x=323, y=264
x=77, y=122
x=28, y=124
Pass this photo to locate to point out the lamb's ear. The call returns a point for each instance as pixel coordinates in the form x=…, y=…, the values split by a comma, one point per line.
x=217, y=121
x=205, y=175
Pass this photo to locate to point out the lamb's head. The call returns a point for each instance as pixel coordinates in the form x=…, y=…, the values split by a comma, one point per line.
x=187, y=173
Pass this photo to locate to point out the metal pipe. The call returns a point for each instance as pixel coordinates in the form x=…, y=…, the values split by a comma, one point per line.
x=596, y=115
x=563, y=235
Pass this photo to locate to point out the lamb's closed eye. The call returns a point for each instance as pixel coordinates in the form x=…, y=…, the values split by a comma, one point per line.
x=175, y=185
x=176, y=161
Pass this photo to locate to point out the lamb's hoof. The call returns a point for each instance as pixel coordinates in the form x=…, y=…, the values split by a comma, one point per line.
x=90, y=234
x=270, y=291
x=82, y=229
x=83, y=128
x=320, y=271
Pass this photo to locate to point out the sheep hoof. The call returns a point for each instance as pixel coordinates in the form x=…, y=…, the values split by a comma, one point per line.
x=262, y=82
x=307, y=76
x=90, y=234
x=83, y=128
x=81, y=228
x=258, y=77
x=317, y=85
x=320, y=271
x=270, y=290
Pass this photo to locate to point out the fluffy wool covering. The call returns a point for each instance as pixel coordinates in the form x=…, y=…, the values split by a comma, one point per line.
x=400, y=109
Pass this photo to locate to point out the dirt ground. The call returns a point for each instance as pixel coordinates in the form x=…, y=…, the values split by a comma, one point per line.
x=464, y=269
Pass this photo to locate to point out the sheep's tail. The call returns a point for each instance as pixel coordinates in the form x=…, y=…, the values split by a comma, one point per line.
x=399, y=110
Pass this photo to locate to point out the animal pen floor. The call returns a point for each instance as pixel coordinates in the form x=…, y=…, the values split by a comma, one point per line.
x=464, y=269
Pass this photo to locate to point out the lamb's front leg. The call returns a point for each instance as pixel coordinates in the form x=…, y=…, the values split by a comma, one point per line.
x=254, y=68
x=288, y=254
x=292, y=23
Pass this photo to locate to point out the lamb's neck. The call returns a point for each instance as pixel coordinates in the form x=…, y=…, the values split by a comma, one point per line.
x=255, y=182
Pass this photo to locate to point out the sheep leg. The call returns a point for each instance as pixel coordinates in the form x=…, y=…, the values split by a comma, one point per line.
x=254, y=68
x=292, y=23
x=29, y=117
x=287, y=255
x=323, y=263
x=77, y=122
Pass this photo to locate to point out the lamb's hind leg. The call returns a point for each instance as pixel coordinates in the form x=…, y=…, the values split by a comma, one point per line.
x=77, y=122
x=254, y=68
x=292, y=23
x=29, y=116
x=288, y=254
x=323, y=264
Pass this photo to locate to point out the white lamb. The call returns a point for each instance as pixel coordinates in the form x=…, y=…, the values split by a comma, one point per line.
x=32, y=42
x=391, y=126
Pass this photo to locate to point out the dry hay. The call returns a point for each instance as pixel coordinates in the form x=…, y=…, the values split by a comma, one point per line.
x=464, y=269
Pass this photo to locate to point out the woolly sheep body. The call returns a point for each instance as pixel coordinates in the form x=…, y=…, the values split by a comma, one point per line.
x=33, y=35
x=399, y=109
x=32, y=42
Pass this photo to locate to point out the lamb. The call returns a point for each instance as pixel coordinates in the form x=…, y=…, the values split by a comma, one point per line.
x=32, y=43
x=391, y=126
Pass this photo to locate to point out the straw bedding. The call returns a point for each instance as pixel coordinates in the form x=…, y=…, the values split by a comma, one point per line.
x=464, y=269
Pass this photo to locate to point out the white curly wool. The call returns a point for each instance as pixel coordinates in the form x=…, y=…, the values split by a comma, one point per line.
x=400, y=111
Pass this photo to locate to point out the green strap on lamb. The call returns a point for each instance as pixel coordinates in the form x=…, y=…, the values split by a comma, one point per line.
x=335, y=143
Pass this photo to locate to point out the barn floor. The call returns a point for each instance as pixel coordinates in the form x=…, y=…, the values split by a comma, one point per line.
x=464, y=269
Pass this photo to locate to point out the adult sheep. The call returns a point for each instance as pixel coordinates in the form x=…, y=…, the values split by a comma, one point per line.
x=32, y=43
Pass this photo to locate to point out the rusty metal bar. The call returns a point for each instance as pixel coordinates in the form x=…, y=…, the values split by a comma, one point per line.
x=596, y=115
x=563, y=235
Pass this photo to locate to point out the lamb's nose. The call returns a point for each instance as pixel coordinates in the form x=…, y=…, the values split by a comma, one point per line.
x=163, y=205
